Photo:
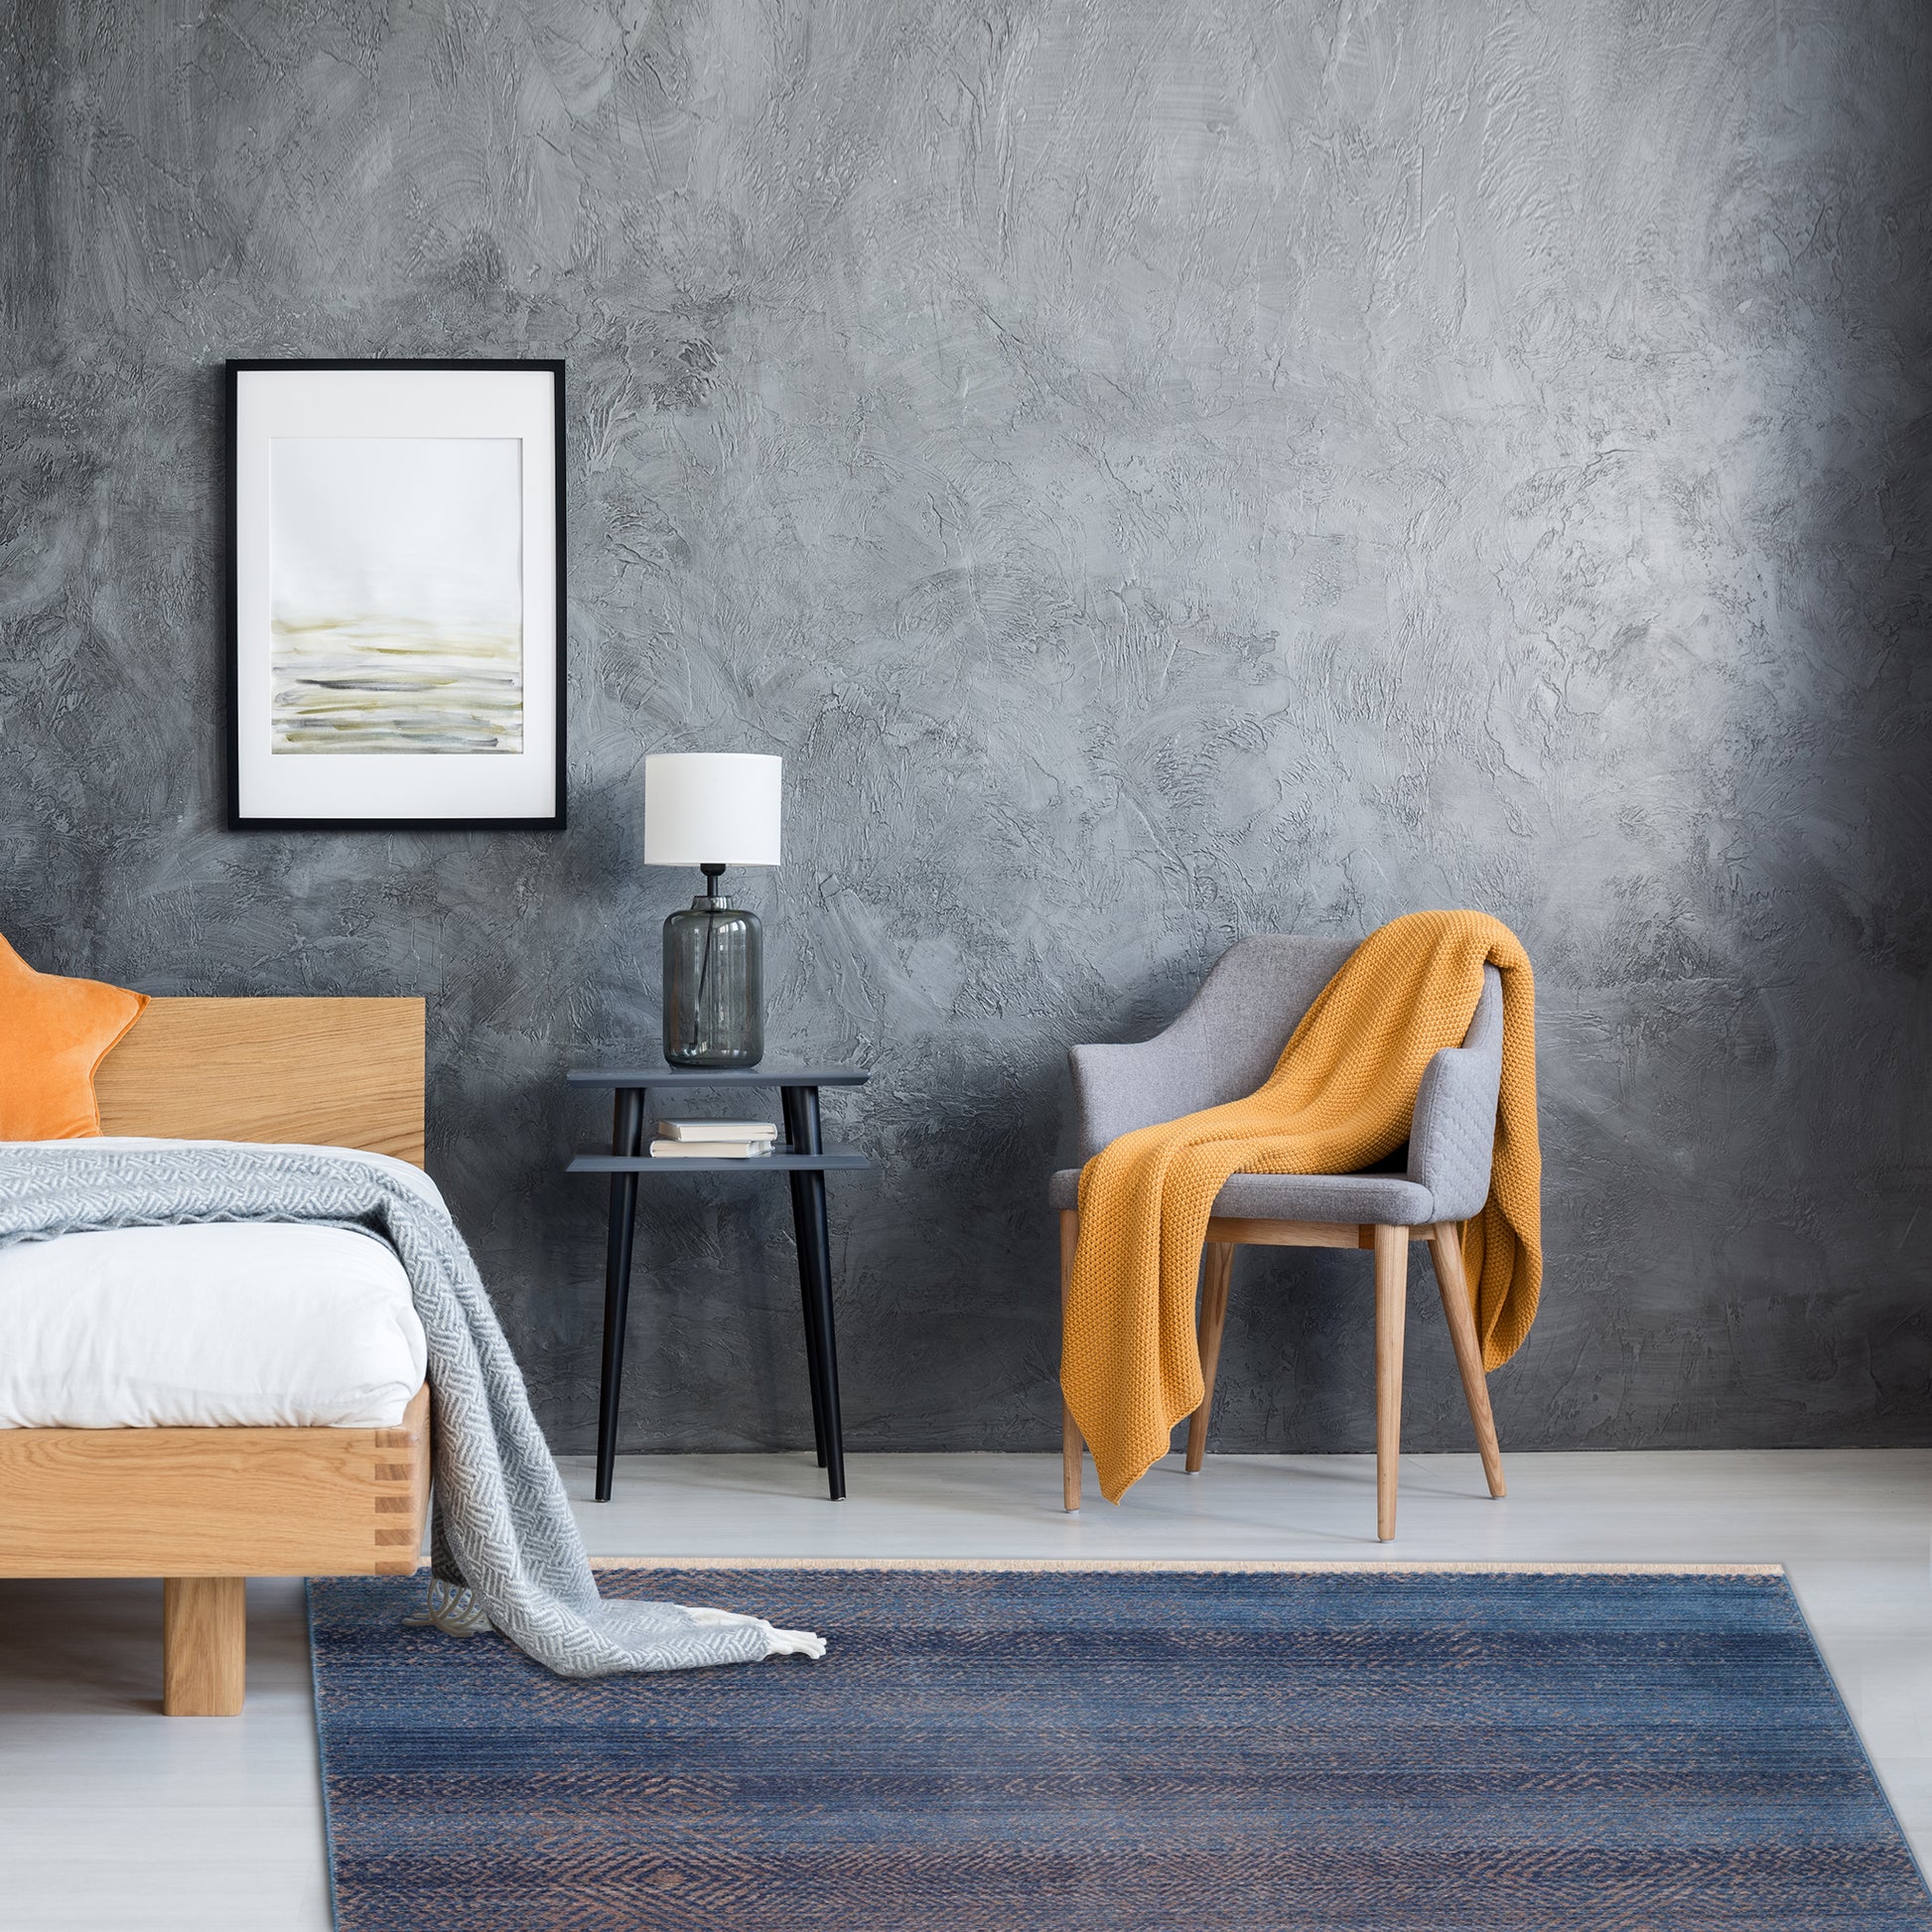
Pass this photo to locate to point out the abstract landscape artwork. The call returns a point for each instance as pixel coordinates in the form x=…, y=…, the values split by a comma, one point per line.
x=397, y=594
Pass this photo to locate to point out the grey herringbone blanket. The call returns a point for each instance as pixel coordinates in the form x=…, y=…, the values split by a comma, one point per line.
x=502, y=1524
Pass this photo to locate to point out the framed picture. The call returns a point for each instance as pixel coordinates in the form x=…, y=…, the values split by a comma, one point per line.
x=396, y=596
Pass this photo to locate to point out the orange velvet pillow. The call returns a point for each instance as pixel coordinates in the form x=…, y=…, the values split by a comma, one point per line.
x=53, y=1033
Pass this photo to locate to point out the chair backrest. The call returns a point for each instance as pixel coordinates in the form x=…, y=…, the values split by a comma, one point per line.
x=1227, y=1038
x=1221, y=1046
x=1249, y=1005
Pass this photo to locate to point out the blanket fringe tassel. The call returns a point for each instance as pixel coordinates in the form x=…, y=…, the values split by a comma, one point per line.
x=452, y=1609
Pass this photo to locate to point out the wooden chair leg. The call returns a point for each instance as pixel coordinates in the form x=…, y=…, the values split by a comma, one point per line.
x=1390, y=1306
x=1460, y=1309
x=1218, y=1257
x=204, y=1646
x=1072, y=1450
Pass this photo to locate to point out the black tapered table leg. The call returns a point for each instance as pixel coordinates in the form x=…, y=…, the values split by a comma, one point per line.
x=820, y=1277
x=815, y=1278
x=627, y=1138
x=801, y=1228
x=814, y=1342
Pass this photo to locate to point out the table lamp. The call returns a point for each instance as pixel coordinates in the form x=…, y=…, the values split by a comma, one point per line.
x=713, y=809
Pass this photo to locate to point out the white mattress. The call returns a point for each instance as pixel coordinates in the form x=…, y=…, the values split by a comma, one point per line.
x=242, y=1322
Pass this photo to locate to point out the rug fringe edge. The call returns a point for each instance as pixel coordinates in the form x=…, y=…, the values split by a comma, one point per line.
x=1314, y=1566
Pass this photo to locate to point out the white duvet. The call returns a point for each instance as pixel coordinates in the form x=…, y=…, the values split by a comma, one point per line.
x=234, y=1323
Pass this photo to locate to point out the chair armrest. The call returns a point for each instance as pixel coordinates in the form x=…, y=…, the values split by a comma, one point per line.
x=1120, y=1088
x=1452, y=1138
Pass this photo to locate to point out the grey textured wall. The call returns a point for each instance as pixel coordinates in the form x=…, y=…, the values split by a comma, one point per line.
x=1156, y=472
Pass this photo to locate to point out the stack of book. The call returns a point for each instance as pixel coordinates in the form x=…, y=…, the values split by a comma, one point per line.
x=713, y=1140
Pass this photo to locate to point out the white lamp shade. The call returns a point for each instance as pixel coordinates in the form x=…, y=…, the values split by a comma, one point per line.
x=711, y=808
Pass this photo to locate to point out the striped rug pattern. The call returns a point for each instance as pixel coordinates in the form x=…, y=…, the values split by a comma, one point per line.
x=1004, y=1748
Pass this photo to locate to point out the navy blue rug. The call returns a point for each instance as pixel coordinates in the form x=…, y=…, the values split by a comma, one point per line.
x=1003, y=1748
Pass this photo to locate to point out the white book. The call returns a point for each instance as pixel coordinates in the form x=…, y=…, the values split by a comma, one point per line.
x=717, y=1130
x=709, y=1149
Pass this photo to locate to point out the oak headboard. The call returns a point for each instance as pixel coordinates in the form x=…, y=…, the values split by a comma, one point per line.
x=333, y=1072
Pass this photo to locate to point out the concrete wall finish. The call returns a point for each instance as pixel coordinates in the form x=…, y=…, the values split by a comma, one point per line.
x=1156, y=472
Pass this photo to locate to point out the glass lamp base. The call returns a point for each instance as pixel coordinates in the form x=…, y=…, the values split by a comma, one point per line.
x=714, y=984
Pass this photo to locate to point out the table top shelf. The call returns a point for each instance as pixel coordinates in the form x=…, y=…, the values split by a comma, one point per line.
x=834, y=1160
x=718, y=1077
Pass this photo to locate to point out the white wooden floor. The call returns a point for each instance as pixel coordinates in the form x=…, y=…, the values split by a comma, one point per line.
x=112, y=1816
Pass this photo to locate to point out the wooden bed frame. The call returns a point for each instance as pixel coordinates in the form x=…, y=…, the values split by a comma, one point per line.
x=207, y=1508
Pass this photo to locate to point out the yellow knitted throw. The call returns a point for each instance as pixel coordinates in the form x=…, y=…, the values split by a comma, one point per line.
x=1341, y=1099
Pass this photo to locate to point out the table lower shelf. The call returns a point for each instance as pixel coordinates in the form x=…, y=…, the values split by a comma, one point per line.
x=834, y=1160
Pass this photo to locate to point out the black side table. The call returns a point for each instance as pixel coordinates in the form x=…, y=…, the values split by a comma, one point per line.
x=805, y=1161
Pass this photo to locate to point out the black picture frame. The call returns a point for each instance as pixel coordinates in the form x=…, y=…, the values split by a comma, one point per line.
x=241, y=820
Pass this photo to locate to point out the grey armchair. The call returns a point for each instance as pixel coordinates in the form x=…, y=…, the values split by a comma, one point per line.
x=1222, y=1047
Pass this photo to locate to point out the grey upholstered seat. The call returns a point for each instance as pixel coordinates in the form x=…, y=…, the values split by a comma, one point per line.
x=1225, y=1043
x=1361, y=1197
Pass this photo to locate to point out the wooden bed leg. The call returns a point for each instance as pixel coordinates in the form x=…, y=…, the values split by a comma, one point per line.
x=1072, y=1450
x=204, y=1646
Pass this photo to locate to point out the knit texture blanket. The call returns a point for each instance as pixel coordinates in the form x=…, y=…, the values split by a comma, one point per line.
x=1341, y=1099
x=502, y=1525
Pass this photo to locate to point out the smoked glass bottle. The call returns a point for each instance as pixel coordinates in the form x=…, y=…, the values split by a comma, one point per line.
x=714, y=981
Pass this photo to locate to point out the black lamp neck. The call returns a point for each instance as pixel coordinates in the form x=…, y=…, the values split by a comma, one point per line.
x=712, y=874
x=712, y=898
